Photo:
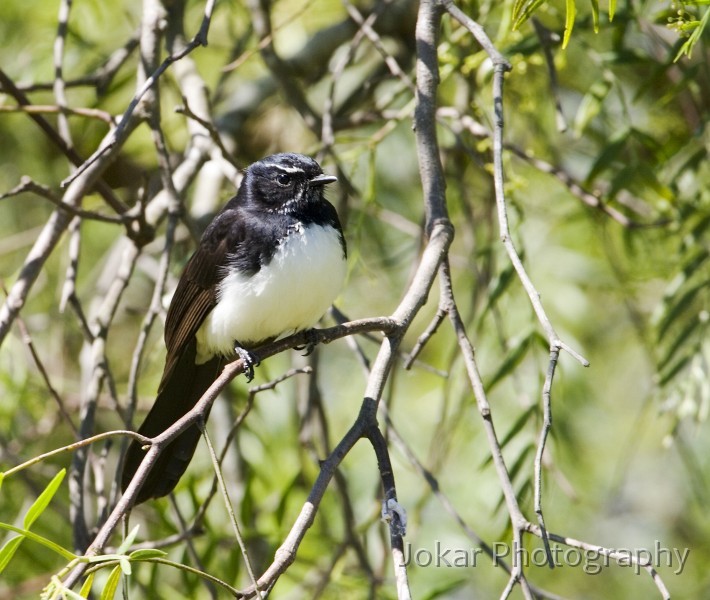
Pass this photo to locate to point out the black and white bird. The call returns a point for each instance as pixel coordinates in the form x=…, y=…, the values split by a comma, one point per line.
x=270, y=264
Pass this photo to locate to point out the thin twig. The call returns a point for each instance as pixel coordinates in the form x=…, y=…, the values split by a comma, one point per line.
x=120, y=132
x=48, y=109
x=202, y=407
x=546, y=36
x=107, y=194
x=27, y=339
x=517, y=519
x=28, y=185
x=621, y=556
x=236, y=528
x=214, y=134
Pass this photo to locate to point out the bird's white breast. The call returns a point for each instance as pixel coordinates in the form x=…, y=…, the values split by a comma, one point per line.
x=289, y=294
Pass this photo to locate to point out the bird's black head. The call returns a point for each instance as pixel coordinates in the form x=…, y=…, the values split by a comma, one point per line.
x=284, y=183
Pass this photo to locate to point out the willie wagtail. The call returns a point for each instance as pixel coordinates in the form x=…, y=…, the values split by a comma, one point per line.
x=269, y=264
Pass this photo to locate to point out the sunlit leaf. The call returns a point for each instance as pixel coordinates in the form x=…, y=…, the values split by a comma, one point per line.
x=147, y=553
x=44, y=499
x=111, y=586
x=648, y=177
x=523, y=9
x=125, y=565
x=570, y=13
x=86, y=587
x=687, y=48
x=595, y=15
x=8, y=551
x=40, y=540
x=130, y=538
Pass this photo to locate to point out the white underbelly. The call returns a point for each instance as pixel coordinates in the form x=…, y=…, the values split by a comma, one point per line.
x=289, y=294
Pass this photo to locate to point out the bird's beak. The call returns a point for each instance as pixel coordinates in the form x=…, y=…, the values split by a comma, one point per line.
x=322, y=179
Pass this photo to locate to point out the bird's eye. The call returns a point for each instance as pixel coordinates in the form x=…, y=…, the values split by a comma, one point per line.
x=283, y=178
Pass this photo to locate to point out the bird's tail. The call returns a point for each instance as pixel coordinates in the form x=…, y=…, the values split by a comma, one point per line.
x=179, y=391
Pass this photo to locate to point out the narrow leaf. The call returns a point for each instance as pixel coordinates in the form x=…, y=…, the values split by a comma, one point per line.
x=591, y=105
x=612, y=9
x=44, y=499
x=8, y=551
x=571, y=11
x=679, y=308
x=681, y=342
x=125, y=565
x=67, y=594
x=499, y=285
x=114, y=578
x=130, y=538
x=86, y=587
x=595, y=15
x=40, y=540
x=687, y=47
x=147, y=553
x=608, y=155
x=523, y=10
x=512, y=360
x=520, y=422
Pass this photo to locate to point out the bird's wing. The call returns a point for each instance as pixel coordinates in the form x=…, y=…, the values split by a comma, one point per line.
x=196, y=292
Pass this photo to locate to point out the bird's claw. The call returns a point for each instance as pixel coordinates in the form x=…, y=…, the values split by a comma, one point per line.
x=250, y=361
x=310, y=344
x=309, y=348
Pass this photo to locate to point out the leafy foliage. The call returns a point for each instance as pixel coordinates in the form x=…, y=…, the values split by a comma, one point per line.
x=608, y=190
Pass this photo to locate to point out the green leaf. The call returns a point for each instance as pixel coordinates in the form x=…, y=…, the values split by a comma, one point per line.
x=71, y=594
x=125, y=565
x=595, y=15
x=687, y=47
x=40, y=540
x=86, y=587
x=520, y=422
x=608, y=155
x=130, y=538
x=512, y=360
x=444, y=589
x=591, y=105
x=499, y=284
x=666, y=377
x=111, y=586
x=44, y=499
x=8, y=551
x=693, y=326
x=648, y=178
x=612, y=9
x=522, y=9
x=679, y=308
x=146, y=554
x=517, y=465
x=571, y=12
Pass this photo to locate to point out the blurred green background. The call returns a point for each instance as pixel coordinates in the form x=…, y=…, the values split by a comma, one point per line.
x=611, y=214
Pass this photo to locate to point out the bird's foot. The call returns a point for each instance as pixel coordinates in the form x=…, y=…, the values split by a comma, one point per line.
x=310, y=344
x=250, y=361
